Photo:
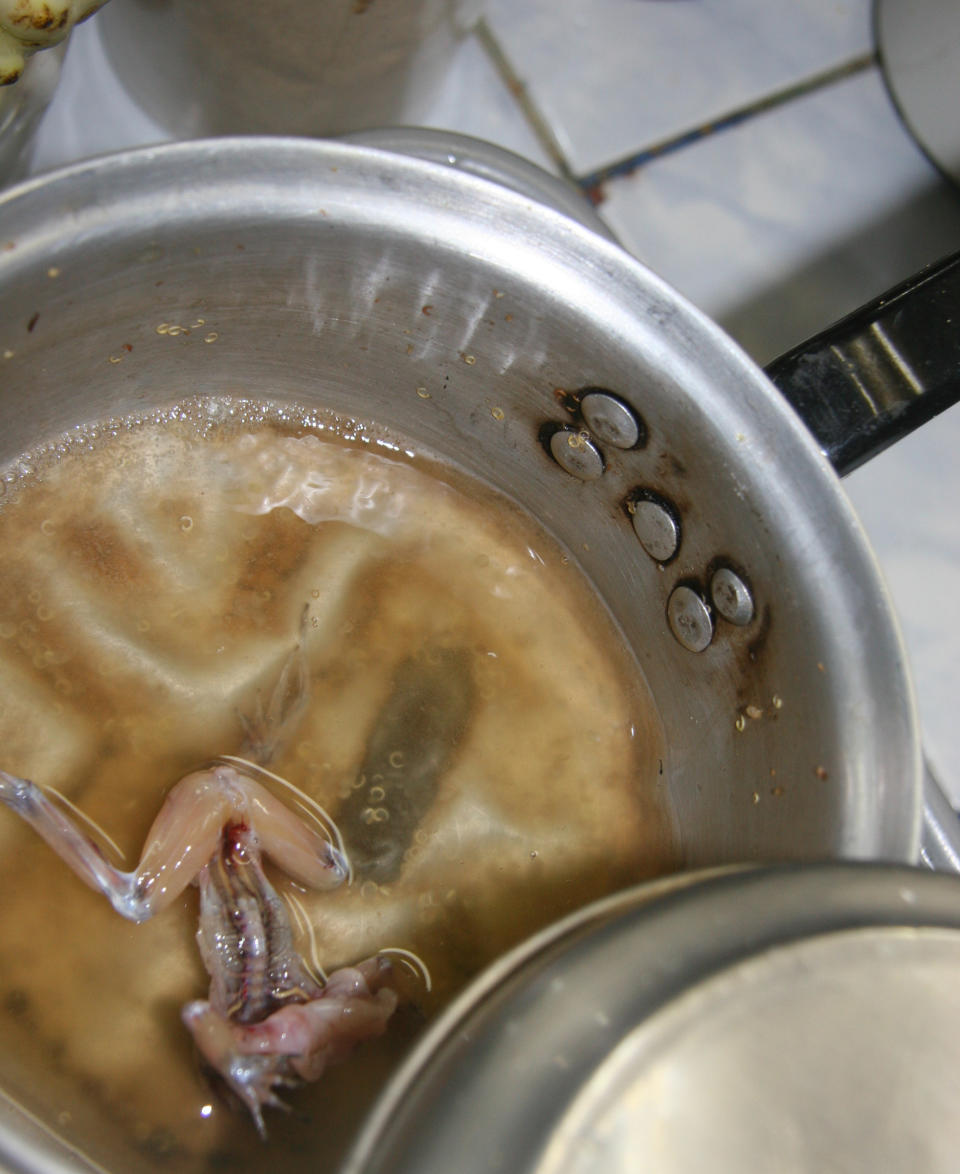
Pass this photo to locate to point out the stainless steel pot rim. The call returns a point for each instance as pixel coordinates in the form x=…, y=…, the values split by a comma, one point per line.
x=486, y=161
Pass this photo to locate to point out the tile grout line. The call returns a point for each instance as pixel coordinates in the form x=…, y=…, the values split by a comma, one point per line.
x=537, y=123
x=592, y=183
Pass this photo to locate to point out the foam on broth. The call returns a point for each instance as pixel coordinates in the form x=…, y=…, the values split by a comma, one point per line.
x=156, y=572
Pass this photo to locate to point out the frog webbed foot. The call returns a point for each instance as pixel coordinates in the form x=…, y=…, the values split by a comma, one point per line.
x=253, y=1079
x=299, y=1040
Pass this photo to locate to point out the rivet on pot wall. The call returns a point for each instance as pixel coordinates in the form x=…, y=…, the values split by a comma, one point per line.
x=575, y=452
x=611, y=420
x=731, y=597
x=656, y=523
x=689, y=617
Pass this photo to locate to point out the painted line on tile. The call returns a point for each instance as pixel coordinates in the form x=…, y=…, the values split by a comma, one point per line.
x=521, y=94
x=593, y=182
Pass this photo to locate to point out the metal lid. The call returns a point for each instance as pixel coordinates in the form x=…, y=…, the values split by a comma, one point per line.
x=795, y=1019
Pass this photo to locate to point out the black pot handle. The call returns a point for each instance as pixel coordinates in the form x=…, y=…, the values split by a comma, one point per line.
x=882, y=371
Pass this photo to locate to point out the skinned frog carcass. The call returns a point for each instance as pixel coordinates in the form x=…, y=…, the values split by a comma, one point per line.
x=268, y=1022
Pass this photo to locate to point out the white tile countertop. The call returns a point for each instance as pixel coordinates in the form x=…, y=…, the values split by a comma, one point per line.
x=747, y=150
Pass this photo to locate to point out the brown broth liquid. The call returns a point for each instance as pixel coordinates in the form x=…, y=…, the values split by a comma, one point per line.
x=156, y=574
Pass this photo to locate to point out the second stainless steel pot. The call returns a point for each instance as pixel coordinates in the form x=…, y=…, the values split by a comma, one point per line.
x=790, y=1019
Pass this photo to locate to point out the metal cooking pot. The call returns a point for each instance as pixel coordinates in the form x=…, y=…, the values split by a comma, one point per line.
x=717, y=535
x=558, y=370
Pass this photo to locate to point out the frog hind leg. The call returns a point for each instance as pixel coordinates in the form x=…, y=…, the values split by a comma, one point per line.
x=252, y=1078
x=299, y=1039
x=183, y=838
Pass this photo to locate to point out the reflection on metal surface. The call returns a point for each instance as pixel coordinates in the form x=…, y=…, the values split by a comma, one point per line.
x=940, y=847
x=882, y=373
x=775, y=1064
x=416, y=734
